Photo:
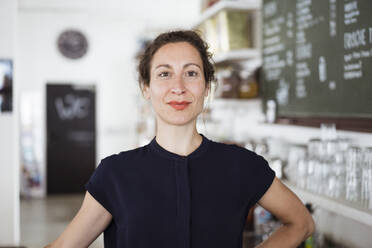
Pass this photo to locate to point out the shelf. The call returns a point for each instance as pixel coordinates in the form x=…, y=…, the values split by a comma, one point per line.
x=239, y=55
x=339, y=207
x=225, y=4
x=234, y=102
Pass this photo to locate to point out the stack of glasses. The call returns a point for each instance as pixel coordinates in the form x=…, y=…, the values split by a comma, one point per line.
x=334, y=168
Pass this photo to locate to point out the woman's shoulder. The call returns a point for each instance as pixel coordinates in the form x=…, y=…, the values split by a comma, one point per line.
x=123, y=157
x=234, y=148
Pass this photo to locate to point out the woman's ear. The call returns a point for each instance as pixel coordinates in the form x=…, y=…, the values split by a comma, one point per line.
x=146, y=92
x=207, y=90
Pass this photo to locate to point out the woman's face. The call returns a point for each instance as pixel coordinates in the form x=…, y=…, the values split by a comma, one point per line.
x=177, y=85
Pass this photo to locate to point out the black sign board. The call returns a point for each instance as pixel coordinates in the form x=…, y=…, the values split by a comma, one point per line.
x=317, y=57
x=71, y=137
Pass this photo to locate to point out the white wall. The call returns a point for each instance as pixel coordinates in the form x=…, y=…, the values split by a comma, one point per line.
x=29, y=29
x=9, y=170
x=112, y=28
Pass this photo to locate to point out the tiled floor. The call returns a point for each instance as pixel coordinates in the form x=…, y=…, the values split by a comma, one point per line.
x=42, y=220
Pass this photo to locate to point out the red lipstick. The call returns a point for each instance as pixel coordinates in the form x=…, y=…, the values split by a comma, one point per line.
x=179, y=105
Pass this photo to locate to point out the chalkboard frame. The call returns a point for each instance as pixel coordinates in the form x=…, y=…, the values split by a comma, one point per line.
x=347, y=124
x=315, y=111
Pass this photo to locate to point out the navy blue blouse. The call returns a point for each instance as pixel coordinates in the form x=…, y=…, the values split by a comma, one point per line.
x=161, y=199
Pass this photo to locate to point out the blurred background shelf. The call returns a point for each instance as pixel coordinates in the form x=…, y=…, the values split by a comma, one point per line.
x=253, y=55
x=222, y=5
x=339, y=207
x=235, y=103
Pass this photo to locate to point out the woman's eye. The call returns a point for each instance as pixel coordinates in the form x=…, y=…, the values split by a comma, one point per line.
x=192, y=73
x=164, y=74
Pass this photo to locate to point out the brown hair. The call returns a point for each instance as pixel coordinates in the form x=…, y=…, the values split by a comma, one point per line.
x=192, y=37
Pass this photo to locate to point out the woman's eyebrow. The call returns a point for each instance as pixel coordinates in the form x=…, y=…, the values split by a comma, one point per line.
x=185, y=65
x=188, y=64
x=163, y=65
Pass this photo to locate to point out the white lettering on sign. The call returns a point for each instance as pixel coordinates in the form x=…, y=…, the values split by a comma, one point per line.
x=274, y=49
x=72, y=107
x=332, y=18
x=300, y=37
x=351, y=6
x=355, y=66
x=268, y=30
x=289, y=55
x=370, y=35
x=348, y=57
x=351, y=12
x=300, y=88
x=273, y=74
x=302, y=70
x=270, y=9
x=303, y=3
x=272, y=40
x=365, y=53
x=304, y=51
x=355, y=39
x=332, y=85
x=354, y=70
x=282, y=94
x=273, y=62
x=322, y=67
x=356, y=55
x=352, y=74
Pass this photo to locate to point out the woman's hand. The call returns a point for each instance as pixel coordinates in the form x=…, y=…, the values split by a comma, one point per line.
x=87, y=225
x=288, y=208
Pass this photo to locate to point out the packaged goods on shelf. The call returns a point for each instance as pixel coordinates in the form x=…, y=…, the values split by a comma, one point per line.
x=248, y=87
x=228, y=83
x=234, y=29
x=236, y=83
x=228, y=30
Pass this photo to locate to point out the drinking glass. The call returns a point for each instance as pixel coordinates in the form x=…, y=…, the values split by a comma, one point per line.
x=295, y=154
x=366, y=187
x=328, y=131
x=353, y=174
x=313, y=150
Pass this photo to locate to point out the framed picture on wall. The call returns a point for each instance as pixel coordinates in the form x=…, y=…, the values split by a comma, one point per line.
x=6, y=85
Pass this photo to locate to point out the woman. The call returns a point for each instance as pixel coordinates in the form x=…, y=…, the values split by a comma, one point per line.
x=182, y=189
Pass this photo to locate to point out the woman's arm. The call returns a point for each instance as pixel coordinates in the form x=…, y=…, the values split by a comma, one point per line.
x=296, y=219
x=85, y=227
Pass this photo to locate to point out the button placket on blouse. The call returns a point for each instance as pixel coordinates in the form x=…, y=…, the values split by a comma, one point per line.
x=183, y=203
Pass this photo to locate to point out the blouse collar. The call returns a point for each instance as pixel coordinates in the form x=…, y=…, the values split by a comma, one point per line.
x=170, y=155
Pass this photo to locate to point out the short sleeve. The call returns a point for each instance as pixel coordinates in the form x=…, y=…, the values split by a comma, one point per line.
x=256, y=176
x=99, y=185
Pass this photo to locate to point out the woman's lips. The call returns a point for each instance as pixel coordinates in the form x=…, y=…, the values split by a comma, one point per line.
x=179, y=105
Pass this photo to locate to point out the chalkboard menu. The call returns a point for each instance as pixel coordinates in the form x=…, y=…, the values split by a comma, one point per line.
x=317, y=57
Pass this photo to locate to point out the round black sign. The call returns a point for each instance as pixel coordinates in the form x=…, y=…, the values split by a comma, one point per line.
x=72, y=44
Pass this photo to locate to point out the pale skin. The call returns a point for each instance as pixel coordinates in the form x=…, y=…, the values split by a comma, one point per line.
x=177, y=75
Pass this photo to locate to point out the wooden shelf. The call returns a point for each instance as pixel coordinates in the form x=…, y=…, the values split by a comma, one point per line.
x=339, y=207
x=234, y=102
x=225, y=4
x=239, y=55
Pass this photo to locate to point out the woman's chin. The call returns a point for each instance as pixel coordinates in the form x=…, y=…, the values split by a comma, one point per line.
x=179, y=121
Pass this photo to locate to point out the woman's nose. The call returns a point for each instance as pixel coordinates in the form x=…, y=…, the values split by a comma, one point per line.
x=178, y=86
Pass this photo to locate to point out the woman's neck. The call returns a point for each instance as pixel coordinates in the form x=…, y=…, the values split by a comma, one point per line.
x=181, y=140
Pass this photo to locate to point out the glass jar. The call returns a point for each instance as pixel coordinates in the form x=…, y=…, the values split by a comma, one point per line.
x=248, y=87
